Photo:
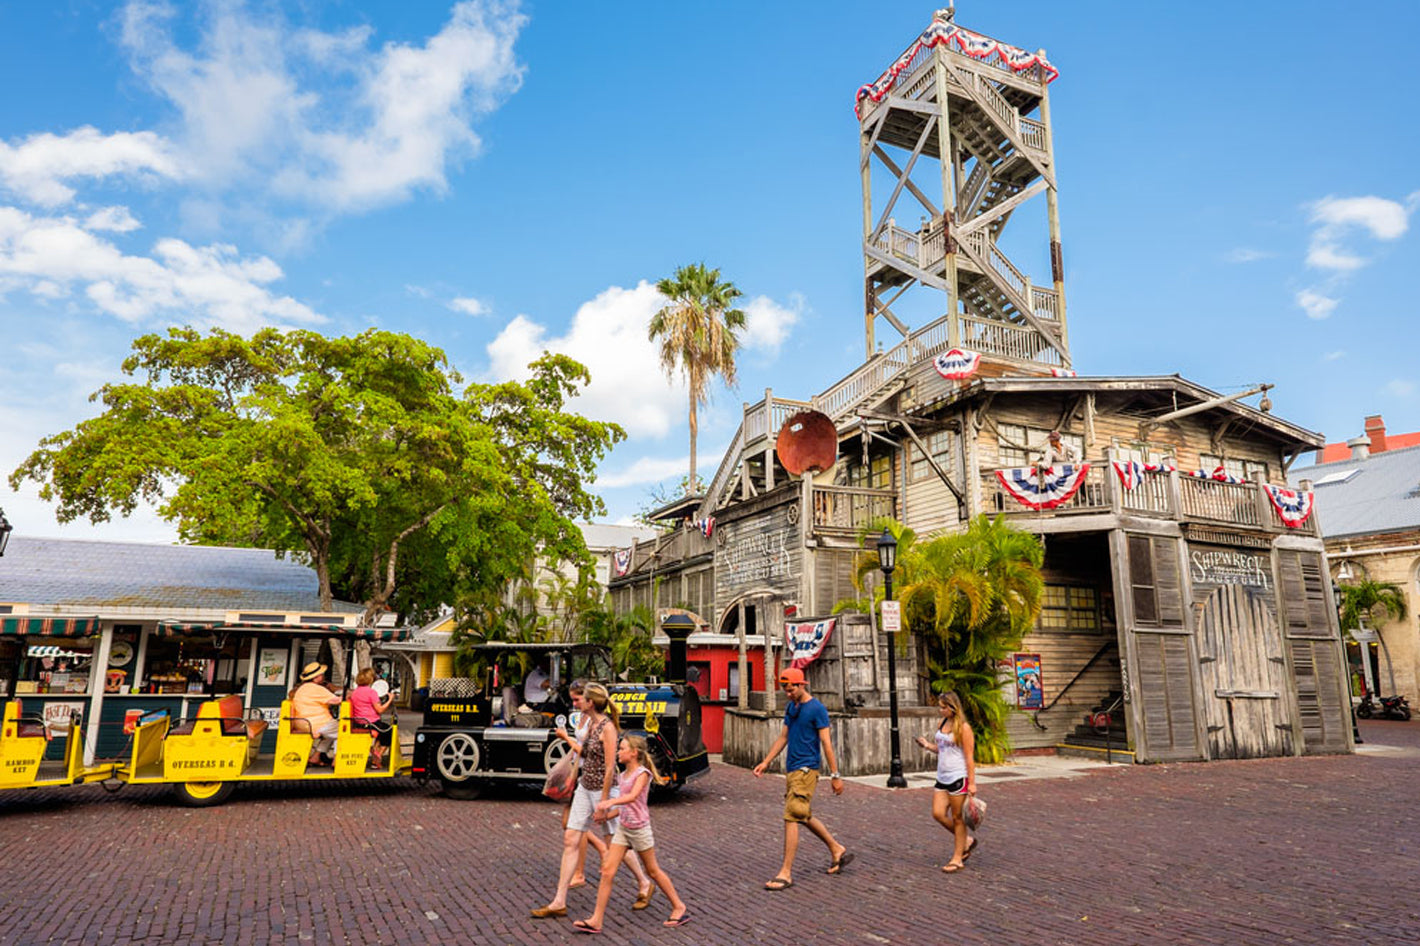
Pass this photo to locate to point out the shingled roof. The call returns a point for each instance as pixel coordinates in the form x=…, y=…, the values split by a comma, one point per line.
x=100, y=575
x=1378, y=494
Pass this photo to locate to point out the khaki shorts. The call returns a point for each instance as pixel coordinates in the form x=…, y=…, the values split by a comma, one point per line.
x=799, y=788
x=638, y=839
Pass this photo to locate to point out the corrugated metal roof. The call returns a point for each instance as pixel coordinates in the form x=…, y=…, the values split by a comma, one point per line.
x=99, y=575
x=599, y=535
x=1382, y=496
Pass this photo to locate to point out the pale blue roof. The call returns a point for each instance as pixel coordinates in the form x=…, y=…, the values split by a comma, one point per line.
x=88, y=574
x=1380, y=494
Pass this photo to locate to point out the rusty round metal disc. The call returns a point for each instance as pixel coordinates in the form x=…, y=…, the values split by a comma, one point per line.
x=807, y=442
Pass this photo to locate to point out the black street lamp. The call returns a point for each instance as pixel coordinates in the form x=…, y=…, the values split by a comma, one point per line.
x=887, y=561
x=5, y=530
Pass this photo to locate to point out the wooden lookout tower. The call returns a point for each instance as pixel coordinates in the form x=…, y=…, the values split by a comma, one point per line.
x=957, y=130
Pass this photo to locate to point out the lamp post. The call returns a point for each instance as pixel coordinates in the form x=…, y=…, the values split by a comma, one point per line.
x=1345, y=572
x=887, y=561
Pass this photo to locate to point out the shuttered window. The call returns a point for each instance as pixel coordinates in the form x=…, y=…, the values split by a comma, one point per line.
x=1166, y=687
x=1302, y=594
x=1155, y=580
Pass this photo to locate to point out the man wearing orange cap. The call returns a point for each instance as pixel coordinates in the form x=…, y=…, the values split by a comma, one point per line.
x=805, y=734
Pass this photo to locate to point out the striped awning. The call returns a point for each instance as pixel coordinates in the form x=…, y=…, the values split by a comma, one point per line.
x=373, y=634
x=53, y=650
x=29, y=625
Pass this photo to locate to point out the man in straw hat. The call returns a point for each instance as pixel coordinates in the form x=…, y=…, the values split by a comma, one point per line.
x=313, y=703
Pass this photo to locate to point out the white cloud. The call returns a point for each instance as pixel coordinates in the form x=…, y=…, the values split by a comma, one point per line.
x=1334, y=355
x=37, y=168
x=468, y=305
x=206, y=286
x=608, y=335
x=767, y=323
x=1399, y=387
x=417, y=291
x=1337, y=218
x=649, y=470
x=1245, y=254
x=1316, y=305
x=116, y=219
x=320, y=117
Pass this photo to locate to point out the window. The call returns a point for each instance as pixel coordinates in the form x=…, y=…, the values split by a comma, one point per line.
x=1018, y=445
x=940, y=446
x=1242, y=469
x=877, y=474
x=1070, y=608
x=1140, y=452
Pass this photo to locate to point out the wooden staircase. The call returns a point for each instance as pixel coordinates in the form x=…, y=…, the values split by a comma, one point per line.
x=1101, y=733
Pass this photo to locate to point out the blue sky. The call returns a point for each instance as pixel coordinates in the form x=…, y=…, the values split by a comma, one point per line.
x=1238, y=185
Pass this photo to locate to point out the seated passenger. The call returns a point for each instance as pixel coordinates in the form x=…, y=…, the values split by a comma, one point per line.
x=313, y=703
x=367, y=707
x=538, y=685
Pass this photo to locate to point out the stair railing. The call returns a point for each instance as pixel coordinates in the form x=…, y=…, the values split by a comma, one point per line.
x=1035, y=717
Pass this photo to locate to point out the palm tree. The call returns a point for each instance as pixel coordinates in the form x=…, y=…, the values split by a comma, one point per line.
x=1380, y=601
x=697, y=332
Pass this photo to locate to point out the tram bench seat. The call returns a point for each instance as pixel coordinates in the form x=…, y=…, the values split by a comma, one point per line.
x=28, y=727
x=229, y=712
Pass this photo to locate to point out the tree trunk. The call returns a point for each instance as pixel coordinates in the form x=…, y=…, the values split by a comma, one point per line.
x=690, y=483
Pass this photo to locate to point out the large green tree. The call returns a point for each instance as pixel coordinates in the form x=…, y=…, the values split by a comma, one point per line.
x=698, y=334
x=1377, y=602
x=367, y=455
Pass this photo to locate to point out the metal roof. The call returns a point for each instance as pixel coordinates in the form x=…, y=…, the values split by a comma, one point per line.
x=99, y=575
x=1383, y=495
x=600, y=535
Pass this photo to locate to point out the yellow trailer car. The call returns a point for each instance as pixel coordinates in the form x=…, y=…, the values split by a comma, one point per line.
x=23, y=742
x=205, y=758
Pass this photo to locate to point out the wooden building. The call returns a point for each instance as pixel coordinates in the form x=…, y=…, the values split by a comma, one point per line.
x=1190, y=613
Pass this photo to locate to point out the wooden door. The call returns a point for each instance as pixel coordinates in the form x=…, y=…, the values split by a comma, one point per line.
x=1243, y=672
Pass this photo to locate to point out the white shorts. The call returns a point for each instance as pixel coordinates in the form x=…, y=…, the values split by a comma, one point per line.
x=584, y=805
x=638, y=839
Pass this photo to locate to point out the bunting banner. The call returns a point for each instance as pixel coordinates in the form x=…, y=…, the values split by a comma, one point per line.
x=956, y=364
x=1131, y=472
x=621, y=562
x=1043, y=488
x=1063, y=373
x=1293, y=506
x=805, y=641
x=1219, y=475
x=943, y=32
x=706, y=525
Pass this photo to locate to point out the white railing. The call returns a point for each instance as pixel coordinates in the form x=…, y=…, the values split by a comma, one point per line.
x=863, y=383
x=1092, y=496
x=972, y=190
x=984, y=248
x=1033, y=134
x=849, y=509
x=1150, y=497
x=1045, y=303
x=1216, y=501
x=922, y=248
x=728, y=464
x=1007, y=340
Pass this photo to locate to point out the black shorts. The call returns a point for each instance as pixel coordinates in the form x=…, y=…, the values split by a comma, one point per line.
x=956, y=788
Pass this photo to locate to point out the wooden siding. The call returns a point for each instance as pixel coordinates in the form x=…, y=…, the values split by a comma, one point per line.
x=833, y=578
x=1323, y=694
x=862, y=744
x=1245, y=699
x=1062, y=655
x=765, y=551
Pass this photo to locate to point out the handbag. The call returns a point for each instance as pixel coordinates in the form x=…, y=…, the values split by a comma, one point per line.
x=973, y=812
x=562, y=780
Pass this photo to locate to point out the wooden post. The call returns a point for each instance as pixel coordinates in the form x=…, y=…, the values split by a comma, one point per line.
x=773, y=434
x=1128, y=654
x=742, y=665
x=946, y=157
x=1175, y=500
x=1112, y=484
x=771, y=681
x=1265, y=518
x=865, y=160
x=1052, y=214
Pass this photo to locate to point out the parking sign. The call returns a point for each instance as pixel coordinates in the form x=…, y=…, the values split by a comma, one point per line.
x=892, y=616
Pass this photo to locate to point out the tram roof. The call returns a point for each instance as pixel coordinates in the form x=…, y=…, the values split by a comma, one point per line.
x=376, y=634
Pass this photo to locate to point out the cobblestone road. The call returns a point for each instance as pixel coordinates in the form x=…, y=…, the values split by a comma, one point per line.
x=1307, y=851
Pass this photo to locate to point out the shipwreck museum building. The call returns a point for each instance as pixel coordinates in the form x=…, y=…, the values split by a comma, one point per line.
x=1188, y=612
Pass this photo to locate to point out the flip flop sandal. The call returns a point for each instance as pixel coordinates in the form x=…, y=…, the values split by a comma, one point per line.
x=681, y=920
x=779, y=883
x=953, y=868
x=843, y=861
x=969, y=848
x=582, y=926
x=643, y=900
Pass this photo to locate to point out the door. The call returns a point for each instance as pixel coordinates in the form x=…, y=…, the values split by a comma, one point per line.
x=1243, y=673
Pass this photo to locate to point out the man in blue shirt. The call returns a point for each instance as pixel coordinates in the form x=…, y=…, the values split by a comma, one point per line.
x=805, y=733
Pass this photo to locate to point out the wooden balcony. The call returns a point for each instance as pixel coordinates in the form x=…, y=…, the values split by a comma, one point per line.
x=848, y=510
x=1160, y=495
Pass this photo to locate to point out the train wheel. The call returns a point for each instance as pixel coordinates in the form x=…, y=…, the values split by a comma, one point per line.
x=457, y=759
x=203, y=794
x=557, y=750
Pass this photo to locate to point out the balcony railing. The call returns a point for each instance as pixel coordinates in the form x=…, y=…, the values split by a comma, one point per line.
x=1215, y=501
x=847, y=510
x=1092, y=496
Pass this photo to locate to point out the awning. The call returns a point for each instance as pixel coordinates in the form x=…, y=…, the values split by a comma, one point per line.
x=51, y=650
x=374, y=634
x=30, y=625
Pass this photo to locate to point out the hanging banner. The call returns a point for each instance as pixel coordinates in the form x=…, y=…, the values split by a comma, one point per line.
x=1219, y=475
x=806, y=640
x=1131, y=472
x=957, y=363
x=706, y=525
x=1062, y=373
x=1043, y=488
x=621, y=562
x=1293, y=506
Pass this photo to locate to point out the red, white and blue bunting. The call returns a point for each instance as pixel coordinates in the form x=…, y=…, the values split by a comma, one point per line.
x=706, y=525
x=956, y=364
x=806, y=641
x=1063, y=373
x=1131, y=472
x=1044, y=488
x=1218, y=475
x=621, y=562
x=1293, y=506
x=942, y=32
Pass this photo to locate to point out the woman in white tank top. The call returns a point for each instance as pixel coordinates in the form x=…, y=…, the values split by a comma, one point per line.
x=955, y=746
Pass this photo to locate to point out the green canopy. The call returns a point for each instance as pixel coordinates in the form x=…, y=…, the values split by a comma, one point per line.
x=30, y=625
x=376, y=634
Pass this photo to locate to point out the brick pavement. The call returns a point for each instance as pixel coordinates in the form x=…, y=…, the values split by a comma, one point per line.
x=1307, y=851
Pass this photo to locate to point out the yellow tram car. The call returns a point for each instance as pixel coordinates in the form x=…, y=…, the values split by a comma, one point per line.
x=23, y=743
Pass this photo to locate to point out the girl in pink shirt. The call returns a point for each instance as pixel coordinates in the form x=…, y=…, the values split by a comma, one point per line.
x=366, y=707
x=633, y=832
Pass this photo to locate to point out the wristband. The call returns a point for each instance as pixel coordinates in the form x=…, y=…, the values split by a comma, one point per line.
x=834, y=775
